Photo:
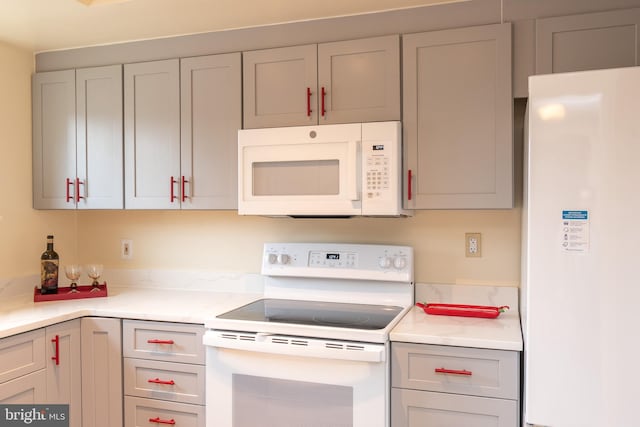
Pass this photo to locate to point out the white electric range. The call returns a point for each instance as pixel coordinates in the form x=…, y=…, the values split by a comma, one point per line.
x=315, y=350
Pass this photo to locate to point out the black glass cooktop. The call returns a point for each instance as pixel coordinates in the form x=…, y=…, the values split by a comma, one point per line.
x=343, y=315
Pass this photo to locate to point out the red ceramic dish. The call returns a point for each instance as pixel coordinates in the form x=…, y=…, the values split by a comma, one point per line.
x=484, y=311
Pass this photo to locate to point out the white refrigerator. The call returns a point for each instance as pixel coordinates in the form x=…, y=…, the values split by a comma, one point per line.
x=581, y=250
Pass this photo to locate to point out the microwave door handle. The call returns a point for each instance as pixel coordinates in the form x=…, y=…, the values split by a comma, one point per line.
x=353, y=165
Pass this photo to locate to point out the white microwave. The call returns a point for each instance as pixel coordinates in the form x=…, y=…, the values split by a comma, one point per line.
x=342, y=170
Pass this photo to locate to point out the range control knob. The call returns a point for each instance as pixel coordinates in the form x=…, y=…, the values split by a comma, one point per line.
x=272, y=259
x=384, y=262
x=400, y=263
x=283, y=259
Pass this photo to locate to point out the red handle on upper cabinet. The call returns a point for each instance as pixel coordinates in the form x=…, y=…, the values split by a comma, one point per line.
x=323, y=94
x=161, y=421
x=56, y=341
x=78, y=196
x=183, y=194
x=409, y=177
x=68, y=192
x=155, y=341
x=172, y=197
x=309, y=102
x=159, y=381
x=453, y=371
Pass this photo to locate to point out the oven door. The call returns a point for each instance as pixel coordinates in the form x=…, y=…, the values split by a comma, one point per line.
x=300, y=171
x=285, y=381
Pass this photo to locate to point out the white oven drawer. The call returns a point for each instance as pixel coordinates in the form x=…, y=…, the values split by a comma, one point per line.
x=178, y=382
x=471, y=371
x=139, y=412
x=175, y=342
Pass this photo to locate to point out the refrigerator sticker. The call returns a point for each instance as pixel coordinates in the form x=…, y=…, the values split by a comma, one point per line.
x=575, y=231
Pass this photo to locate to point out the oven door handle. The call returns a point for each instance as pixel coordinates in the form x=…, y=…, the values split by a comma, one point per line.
x=296, y=346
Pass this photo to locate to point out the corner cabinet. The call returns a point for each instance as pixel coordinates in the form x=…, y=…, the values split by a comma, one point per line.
x=458, y=118
x=338, y=82
x=181, y=123
x=588, y=42
x=436, y=385
x=77, y=139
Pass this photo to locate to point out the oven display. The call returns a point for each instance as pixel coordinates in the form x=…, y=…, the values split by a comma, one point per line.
x=324, y=259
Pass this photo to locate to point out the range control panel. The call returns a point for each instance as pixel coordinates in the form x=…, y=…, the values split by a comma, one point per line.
x=339, y=260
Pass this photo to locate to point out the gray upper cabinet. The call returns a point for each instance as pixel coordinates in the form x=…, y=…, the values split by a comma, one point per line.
x=152, y=135
x=339, y=82
x=211, y=114
x=458, y=110
x=587, y=42
x=77, y=139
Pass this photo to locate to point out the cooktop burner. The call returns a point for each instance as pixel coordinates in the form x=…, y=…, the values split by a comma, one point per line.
x=332, y=314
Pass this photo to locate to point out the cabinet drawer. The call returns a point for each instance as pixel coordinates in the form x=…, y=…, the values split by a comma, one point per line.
x=424, y=408
x=21, y=354
x=478, y=372
x=28, y=389
x=178, y=382
x=175, y=342
x=140, y=412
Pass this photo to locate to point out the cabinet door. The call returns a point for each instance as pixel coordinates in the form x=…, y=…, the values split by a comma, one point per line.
x=101, y=372
x=588, y=42
x=152, y=135
x=27, y=389
x=458, y=118
x=99, y=137
x=64, y=368
x=360, y=80
x=54, y=139
x=280, y=87
x=211, y=114
x=411, y=408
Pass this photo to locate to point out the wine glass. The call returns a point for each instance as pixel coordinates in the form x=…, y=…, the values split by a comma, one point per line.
x=73, y=271
x=94, y=271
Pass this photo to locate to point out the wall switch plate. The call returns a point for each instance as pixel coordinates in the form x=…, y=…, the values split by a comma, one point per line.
x=126, y=249
x=472, y=245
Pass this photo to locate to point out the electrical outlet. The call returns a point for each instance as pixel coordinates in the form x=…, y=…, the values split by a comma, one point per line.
x=126, y=249
x=473, y=247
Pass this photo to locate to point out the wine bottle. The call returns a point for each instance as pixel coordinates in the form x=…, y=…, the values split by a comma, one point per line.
x=49, y=263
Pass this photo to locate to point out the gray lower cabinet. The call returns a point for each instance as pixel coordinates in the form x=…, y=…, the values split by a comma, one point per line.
x=22, y=368
x=338, y=82
x=458, y=118
x=442, y=386
x=77, y=139
x=181, y=122
x=164, y=372
x=588, y=41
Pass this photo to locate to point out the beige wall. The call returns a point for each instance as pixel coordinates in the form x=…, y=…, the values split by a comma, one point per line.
x=219, y=240
x=22, y=230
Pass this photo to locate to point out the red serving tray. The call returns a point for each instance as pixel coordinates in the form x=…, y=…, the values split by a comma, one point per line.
x=463, y=310
x=84, y=291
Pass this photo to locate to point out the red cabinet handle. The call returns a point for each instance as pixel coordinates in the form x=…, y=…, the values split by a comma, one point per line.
x=155, y=341
x=172, y=197
x=309, y=102
x=409, y=176
x=183, y=193
x=322, y=96
x=56, y=341
x=453, y=371
x=161, y=421
x=69, y=182
x=159, y=381
x=78, y=196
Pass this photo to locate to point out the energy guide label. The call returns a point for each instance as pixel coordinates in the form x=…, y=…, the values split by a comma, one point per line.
x=575, y=231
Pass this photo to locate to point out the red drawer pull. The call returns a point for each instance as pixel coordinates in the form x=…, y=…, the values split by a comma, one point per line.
x=309, y=102
x=159, y=381
x=453, y=371
x=69, y=197
x=161, y=421
x=56, y=341
x=409, y=176
x=323, y=110
x=160, y=341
